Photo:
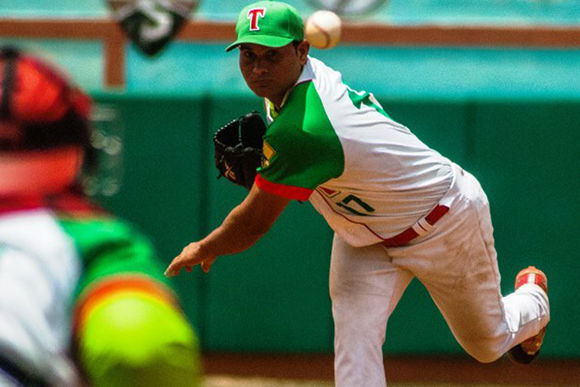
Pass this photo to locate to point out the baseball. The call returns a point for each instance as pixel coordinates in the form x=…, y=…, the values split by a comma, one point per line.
x=322, y=29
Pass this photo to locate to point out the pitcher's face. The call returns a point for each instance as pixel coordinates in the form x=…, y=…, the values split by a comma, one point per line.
x=271, y=71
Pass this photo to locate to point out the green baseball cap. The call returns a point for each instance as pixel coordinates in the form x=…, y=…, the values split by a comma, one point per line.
x=268, y=23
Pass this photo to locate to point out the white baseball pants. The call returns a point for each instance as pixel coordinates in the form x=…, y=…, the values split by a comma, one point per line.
x=457, y=263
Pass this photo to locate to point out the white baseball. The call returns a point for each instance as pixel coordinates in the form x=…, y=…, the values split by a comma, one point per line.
x=322, y=29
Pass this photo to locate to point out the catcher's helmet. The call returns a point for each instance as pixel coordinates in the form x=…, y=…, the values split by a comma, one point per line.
x=44, y=126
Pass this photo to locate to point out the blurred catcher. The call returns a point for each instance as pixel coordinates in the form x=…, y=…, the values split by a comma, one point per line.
x=81, y=298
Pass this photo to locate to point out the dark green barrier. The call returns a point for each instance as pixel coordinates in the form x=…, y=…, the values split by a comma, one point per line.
x=528, y=159
x=274, y=297
x=163, y=183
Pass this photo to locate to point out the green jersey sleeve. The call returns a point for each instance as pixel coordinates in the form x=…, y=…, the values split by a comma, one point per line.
x=109, y=246
x=301, y=148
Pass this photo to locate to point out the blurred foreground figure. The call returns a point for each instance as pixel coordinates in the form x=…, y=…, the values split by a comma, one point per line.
x=82, y=297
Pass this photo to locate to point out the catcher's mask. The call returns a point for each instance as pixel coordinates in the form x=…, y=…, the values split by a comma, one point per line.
x=44, y=126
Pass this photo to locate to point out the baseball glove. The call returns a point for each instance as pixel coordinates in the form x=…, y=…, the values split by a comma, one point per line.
x=238, y=149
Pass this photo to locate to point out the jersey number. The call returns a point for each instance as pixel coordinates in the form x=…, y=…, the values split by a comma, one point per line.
x=351, y=198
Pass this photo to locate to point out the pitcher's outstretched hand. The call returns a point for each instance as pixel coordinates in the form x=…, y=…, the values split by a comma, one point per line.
x=191, y=255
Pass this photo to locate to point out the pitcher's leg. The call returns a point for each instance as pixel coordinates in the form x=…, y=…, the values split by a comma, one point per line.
x=532, y=316
x=365, y=288
x=467, y=290
x=487, y=325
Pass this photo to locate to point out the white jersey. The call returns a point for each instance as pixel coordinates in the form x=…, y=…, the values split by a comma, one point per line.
x=369, y=176
x=39, y=270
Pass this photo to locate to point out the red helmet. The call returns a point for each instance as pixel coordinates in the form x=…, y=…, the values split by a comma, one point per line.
x=44, y=126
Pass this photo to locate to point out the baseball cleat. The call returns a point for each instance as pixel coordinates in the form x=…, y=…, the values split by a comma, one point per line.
x=527, y=350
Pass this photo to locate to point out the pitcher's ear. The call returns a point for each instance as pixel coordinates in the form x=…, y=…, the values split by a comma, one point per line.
x=303, y=49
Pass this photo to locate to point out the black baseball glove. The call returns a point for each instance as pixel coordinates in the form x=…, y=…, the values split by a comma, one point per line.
x=238, y=149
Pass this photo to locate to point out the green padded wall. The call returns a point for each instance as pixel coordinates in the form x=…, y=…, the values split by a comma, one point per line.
x=274, y=297
x=163, y=181
x=528, y=159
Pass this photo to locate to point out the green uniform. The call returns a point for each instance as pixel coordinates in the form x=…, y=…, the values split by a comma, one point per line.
x=369, y=176
x=86, y=280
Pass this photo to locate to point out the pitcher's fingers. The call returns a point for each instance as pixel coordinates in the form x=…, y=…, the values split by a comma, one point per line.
x=207, y=264
x=172, y=270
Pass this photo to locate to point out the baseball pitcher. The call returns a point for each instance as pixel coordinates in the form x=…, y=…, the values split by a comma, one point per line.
x=399, y=209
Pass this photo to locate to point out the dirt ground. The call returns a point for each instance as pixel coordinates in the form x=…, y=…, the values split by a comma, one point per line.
x=233, y=381
x=316, y=370
x=230, y=381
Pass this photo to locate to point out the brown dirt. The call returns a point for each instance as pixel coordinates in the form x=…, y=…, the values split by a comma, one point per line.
x=316, y=370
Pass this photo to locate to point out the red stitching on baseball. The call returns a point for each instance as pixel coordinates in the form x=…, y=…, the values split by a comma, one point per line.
x=326, y=34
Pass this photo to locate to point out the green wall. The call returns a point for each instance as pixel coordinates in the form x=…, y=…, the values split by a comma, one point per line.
x=274, y=297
